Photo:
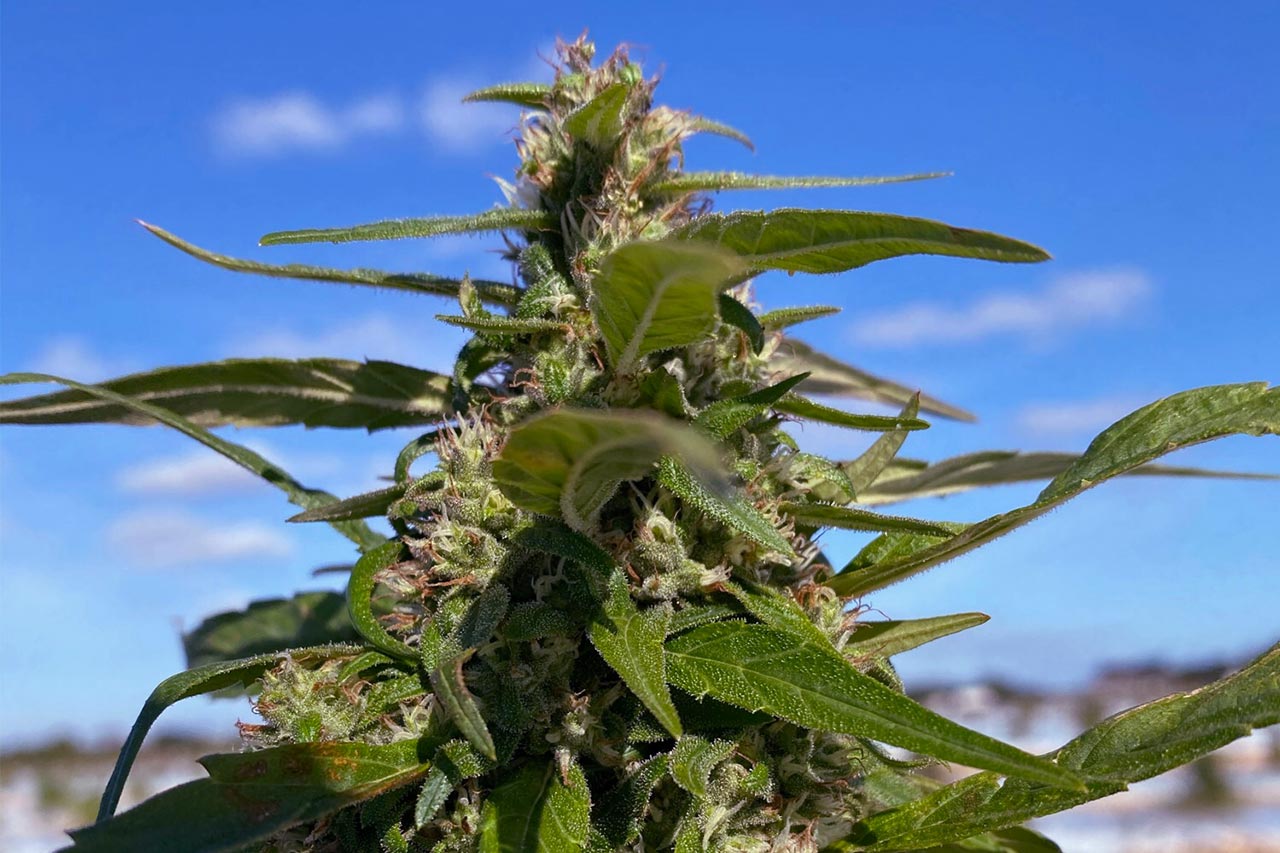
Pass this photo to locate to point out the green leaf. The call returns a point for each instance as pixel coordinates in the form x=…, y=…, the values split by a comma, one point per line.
x=693, y=760
x=298, y=494
x=760, y=668
x=535, y=811
x=472, y=630
x=801, y=407
x=569, y=462
x=1128, y=747
x=435, y=790
x=777, y=609
x=1179, y=421
x=272, y=625
x=498, y=219
x=849, y=518
x=194, y=682
x=630, y=641
x=656, y=295
x=736, y=314
x=731, y=510
x=864, y=470
x=245, y=392
x=554, y=538
x=533, y=95
x=699, y=124
x=688, y=182
x=829, y=241
x=360, y=588
x=251, y=796
x=831, y=377
x=599, y=120
x=893, y=637
x=622, y=809
x=504, y=325
x=366, y=505
x=413, y=451
x=494, y=292
x=450, y=687
x=783, y=318
x=723, y=418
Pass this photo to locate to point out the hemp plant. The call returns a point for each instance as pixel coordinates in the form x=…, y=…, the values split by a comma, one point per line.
x=604, y=620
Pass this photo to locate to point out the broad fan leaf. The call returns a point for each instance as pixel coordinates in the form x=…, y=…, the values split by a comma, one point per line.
x=195, y=682
x=533, y=95
x=687, y=182
x=251, y=796
x=909, y=479
x=829, y=376
x=829, y=241
x=495, y=292
x=298, y=494
x=893, y=637
x=245, y=392
x=568, y=462
x=630, y=641
x=498, y=219
x=760, y=668
x=599, y=121
x=806, y=409
x=652, y=296
x=271, y=625
x=1128, y=747
x=536, y=811
x=1166, y=425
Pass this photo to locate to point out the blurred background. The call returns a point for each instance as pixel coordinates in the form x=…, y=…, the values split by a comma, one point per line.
x=1138, y=145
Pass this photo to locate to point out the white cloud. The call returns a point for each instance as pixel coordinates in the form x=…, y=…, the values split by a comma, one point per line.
x=74, y=358
x=199, y=472
x=1074, y=301
x=457, y=127
x=1080, y=416
x=167, y=539
x=299, y=120
x=428, y=344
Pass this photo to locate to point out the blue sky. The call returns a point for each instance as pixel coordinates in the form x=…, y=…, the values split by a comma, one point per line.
x=1139, y=148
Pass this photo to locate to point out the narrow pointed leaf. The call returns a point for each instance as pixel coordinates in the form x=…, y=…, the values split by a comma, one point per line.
x=315, y=392
x=693, y=760
x=1178, y=421
x=498, y=219
x=807, y=409
x=360, y=588
x=850, y=518
x=652, y=296
x=764, y=669
x=504, y=325
x=1128, y=747
x=365, y=505
x=687, y=182
x=831, y=377
x=725, y=417
x=451, y=690
x=552, y=537
x=777, y=610
x=195, y=682
x=251, y=796
x=599, y=121
x=889, y=638
x=568, y=462
x=533, y=95
x=699, y=124
x=736, y=314
x=298, y=494
x=622, y=809
x=783, y=318
x=535, y=811
x=829, y=241
x=412, y=452
x=864, y=470
x=630, y=641
x=494, y=292
x=730, y=510
x=271, y=625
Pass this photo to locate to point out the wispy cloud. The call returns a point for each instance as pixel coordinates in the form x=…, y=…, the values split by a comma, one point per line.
x=1068, y=303
x=1074, y=417
x=75, y=358
x=455, y=126
x=200, y=472
x=167, y=539
x=374, y=336
x=289, y=121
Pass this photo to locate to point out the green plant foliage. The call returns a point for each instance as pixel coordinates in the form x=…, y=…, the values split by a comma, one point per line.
x=603, y=620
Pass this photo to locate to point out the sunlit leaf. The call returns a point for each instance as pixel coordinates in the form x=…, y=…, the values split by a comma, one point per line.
x=599, y=121
x=736, y=314
x=523, y=94
x=806, y=409
x=504, y=325
x=864, y=470
x=360, y=587
x=851, y=518
x=699, y=124
x=450, y=687
x=535, y=811
x=893, y=637
x=760, y=668
x=366, y=505
x=271, y=625
x=495, y=292
x=687, y=182
x=652, y=296
x=498, y=219
x=783, y=318
x=777, y=610
x=731, y=510
x=725, y=417
x=693, y=760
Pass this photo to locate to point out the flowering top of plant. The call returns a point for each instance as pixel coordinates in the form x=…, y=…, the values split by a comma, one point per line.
x=603, y=621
